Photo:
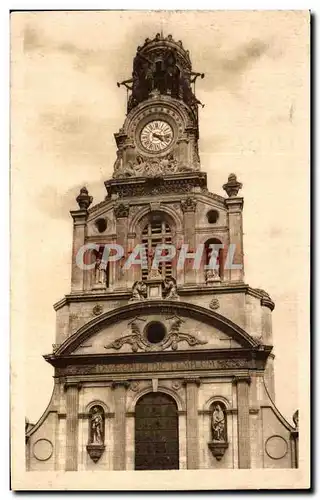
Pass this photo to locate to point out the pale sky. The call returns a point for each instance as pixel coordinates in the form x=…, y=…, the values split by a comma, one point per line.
x=65, y=109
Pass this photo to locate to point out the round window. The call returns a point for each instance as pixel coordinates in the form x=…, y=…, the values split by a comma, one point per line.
x=212, y=216
x=155, y=332
x=101, y=225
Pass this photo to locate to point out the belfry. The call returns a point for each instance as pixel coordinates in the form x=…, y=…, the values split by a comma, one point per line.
x=161, y=360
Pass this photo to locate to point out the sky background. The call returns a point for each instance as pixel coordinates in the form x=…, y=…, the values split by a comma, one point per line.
x=65, y=108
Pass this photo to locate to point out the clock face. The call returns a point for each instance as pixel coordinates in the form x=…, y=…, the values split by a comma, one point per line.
x=156, y=136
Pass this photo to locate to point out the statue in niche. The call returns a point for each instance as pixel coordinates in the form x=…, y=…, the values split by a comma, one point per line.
x=96, y=426
x=139, y=291
x=218, y=424
x=100, y=271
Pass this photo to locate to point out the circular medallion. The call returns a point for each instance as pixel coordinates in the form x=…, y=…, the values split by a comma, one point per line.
x=156, y=136
x=276, y=447
x=42, y=449
x=98, y=309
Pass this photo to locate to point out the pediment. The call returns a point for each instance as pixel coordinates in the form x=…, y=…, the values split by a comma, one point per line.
x=127, y=329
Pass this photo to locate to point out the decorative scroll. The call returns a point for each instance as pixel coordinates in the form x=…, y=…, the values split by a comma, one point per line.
x=138, y=341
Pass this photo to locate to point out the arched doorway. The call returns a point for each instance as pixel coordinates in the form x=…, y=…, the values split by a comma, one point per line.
x=156, y=432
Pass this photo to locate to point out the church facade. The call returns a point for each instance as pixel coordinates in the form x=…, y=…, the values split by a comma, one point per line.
x=163, y=355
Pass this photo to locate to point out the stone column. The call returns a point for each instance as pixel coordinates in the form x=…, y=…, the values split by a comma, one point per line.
x=188, y=207
x=121, y=213
x=244, y=445
x=119, y=437
x=79, y=228
x=72, y=403
x=192, y=423
x=234, y=206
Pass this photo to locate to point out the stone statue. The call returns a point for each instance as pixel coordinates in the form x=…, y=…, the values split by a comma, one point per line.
x=140, y=166
x=117, y=167
x=100, y=271
x=212, y=275
x=96, y=426
x=139, y=291
x=218, y=424
x=170, y=289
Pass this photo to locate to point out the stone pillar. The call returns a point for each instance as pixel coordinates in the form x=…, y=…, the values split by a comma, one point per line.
x=188, y=207
x=235, y=206
x=72, y=403
x=192, y=423
x=119, y=437
x=294, y=440
x=79, y=233
x=244, y=445
x=121, y=213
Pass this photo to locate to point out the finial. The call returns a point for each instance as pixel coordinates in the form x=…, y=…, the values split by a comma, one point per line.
x=295, y=418
x=83, y=199
x=232, y=187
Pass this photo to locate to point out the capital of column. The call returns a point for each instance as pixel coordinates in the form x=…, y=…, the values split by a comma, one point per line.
x=75, y=385
x=241, y=378
x=79, y=217
x=192, y=380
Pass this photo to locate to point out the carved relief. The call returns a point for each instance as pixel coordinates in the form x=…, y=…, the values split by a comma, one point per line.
x=214, y=304
x=189, y=205
x=98, y=309
x=150, y=167
x=138, y=341
x=157, y=185
x=134, y=386
x=121, y=211
x=176, y=385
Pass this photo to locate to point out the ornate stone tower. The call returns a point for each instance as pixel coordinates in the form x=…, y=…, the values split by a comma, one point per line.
x=166, y=363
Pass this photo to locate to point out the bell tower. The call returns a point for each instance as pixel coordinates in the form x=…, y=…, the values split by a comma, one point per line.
x=160, y=134
x=163, y=354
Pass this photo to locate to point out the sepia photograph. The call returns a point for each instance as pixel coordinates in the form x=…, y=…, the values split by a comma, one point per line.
x=160, y=219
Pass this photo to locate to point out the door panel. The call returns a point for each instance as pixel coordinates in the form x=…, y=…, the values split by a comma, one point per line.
x=156, y=433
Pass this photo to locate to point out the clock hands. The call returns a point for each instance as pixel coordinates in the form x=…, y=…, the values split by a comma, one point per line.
x=162, y=138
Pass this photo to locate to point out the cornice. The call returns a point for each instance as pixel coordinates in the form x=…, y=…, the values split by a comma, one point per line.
x=184, y=290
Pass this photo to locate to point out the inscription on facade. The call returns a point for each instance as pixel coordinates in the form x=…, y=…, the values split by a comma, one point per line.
x=206, y=364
